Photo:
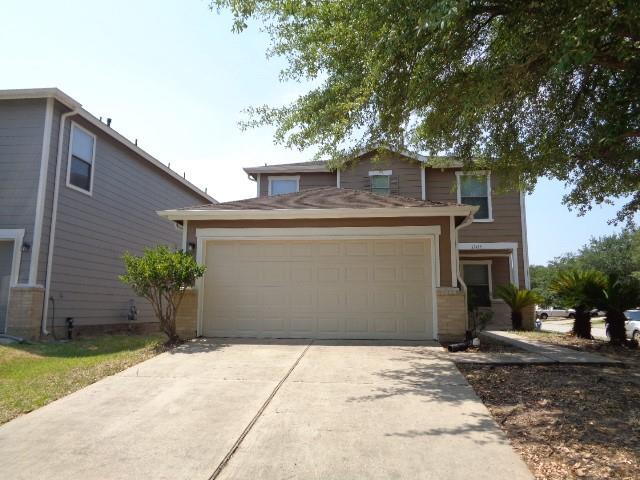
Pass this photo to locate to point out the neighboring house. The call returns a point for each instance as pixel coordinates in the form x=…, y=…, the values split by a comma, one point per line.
x=378, y=249
x=74, y=196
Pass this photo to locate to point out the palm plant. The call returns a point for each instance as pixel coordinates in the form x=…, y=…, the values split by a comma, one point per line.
x=621, y=294
x=583, y=290
x=517, y=299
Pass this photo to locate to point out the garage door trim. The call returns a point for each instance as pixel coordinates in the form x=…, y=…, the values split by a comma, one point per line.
x=431, y=233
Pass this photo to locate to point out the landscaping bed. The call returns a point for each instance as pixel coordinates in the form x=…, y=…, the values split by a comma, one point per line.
x=32, y=375
x=568, y=421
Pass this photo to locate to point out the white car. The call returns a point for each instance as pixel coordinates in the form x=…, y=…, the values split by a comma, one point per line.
x=544, y=313
x=632, y=325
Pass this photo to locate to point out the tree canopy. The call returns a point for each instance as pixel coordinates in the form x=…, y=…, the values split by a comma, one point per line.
x=616, y=255
x=528, y=87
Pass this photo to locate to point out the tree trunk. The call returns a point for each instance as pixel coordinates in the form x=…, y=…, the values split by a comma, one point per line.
x=616, y=321
x=582, y=323
x=516, y=320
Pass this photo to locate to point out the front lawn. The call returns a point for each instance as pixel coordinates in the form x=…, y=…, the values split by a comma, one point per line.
x=32, y=375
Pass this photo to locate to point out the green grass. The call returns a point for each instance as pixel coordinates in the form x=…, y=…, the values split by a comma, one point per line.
x=32, y=375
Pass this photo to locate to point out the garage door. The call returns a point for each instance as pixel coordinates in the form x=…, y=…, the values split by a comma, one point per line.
x=370, y=289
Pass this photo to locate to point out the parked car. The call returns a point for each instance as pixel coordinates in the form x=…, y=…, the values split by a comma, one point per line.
x=544, y=313
x=632, y=325
x=597, y=313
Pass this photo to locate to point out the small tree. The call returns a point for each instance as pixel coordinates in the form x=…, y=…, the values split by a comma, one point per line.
x=583, y=290
x=621, y=294
x=161, y=276
x=517, y=299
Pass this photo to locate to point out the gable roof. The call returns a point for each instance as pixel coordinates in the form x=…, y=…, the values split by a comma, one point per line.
x=440, y=161
x=322, y=202
x=74, y=105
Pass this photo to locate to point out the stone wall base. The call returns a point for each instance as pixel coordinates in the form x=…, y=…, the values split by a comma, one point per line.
x=452, y=314
x=25, y=311
x=187, y=318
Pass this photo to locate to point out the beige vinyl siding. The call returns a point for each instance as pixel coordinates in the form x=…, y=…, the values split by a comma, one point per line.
x=93, y=232
x=406, y=170
x=307, y=180
x=444, y=244
x=21, y=130
x=506, y=225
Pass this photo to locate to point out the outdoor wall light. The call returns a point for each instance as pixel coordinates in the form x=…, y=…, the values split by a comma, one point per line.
x=191, y=247
x=26, y=247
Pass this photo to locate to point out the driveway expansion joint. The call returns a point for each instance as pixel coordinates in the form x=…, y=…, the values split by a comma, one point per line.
x=255, y=418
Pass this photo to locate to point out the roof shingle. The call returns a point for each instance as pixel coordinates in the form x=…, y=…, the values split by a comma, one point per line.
x=321, y=198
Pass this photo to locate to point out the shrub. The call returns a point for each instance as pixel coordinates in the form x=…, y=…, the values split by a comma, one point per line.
x=517, y=299
x=583, y=290
x=161, y=276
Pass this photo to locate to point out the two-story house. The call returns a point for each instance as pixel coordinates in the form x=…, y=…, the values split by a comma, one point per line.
x=385, y=247
x=74, y=196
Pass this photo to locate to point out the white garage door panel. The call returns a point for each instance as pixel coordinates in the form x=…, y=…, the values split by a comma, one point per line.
x=373, y=288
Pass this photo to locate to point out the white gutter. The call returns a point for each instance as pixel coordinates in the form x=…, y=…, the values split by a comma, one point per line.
x=305, y=213
x=54, y=217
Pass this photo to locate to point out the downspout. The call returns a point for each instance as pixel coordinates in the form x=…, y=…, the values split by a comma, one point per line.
x=54, y=217
x=463, y=286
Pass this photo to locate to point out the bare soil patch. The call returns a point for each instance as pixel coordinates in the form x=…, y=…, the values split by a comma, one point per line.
x=566, y=421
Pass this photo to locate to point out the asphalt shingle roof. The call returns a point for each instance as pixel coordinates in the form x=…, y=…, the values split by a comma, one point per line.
x=322, y=198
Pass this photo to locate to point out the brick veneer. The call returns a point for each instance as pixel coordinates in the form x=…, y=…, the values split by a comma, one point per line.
x=452, y=314
x=25, y=311
x=187, y=317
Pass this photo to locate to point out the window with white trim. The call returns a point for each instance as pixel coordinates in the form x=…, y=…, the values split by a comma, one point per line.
x=475, y=189
x=477, y=278
x=282, y=185
x=380, y=182
x=81, y=159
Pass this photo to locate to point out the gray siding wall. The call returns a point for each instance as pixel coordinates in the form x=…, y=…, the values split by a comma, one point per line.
x=406, y=170
x=21, y=131
x=93, y=232
x=307, y=180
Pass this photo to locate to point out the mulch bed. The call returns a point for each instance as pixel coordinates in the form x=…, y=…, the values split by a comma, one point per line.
x=568, y=421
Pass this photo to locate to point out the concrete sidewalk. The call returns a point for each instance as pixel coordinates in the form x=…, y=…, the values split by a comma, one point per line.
x=269, y=410
x=555, y=353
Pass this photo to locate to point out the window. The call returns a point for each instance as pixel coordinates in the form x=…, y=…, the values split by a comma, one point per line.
x=81, y=159
x=475, y=189
x=380, y=182
x=282, y=185
x=477, y=278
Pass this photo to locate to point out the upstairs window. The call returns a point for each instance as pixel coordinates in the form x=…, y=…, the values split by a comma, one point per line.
x=81, y=159
x=380, y=182
x=476, y=276
x=475, y=189
x=282, y=185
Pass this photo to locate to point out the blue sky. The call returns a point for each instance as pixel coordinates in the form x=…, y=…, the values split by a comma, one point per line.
x=172, y=75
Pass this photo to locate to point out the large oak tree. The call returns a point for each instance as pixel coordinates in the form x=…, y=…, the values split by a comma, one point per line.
x=531, y=88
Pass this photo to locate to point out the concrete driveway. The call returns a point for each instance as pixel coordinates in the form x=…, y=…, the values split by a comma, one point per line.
x=268, y=410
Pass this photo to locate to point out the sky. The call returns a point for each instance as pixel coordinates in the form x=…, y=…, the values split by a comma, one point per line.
x=172, y=75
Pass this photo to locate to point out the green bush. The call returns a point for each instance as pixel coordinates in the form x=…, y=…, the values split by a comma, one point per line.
x=161, y=276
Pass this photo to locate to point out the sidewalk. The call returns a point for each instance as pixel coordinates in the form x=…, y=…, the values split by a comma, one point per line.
x=553, y=353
